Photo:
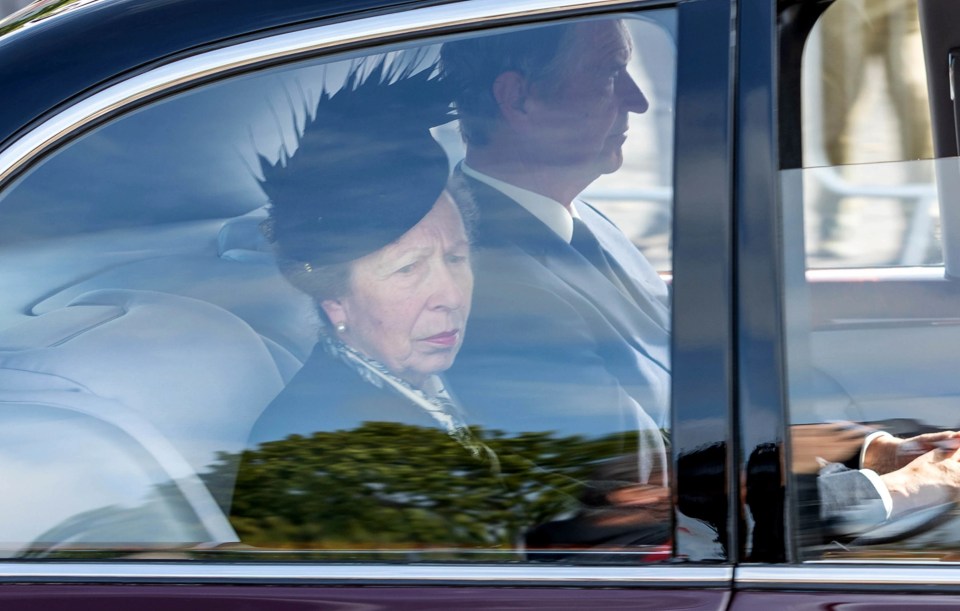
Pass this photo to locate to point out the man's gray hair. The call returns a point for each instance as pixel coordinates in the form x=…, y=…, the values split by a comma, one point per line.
x=471, y=65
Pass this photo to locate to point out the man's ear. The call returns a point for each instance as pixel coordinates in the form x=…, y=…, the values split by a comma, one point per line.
x=335, y=311
x=510, y=90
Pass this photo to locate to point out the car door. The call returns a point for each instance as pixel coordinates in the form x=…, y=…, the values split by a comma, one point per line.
x=850, y=334
x=146, y=326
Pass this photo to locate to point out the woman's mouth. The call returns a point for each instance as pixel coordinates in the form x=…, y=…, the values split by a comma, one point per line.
x=446, y=339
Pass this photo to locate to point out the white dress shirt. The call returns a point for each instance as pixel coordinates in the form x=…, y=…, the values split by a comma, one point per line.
x=550, y=212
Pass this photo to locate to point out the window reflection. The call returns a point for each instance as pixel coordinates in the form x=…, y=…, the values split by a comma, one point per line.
x=871, y=395
x=312, y=332
x=867, y=139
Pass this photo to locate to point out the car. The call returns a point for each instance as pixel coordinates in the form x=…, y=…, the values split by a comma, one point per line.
x=788, y=178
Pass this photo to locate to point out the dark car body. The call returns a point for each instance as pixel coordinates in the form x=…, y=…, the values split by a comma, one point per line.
x=69, y=70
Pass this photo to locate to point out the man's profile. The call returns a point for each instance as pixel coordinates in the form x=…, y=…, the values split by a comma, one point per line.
x=571, y=322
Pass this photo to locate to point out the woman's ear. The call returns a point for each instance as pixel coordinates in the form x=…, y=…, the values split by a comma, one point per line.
x=335, y=311
x=510, y=91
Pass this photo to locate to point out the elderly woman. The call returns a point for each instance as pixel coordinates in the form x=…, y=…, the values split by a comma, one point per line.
x=360, y=221
x=366, y=446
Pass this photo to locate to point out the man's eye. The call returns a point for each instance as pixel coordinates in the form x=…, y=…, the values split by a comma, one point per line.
x=457, y=259
x=407, y=269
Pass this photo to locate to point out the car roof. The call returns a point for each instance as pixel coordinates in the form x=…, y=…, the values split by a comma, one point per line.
x=50, y=56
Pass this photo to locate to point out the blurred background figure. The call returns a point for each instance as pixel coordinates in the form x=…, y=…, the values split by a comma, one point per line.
x=857, y=34
x=872, y=100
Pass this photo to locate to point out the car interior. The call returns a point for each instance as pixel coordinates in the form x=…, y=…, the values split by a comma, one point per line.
x=177, y=294
x=872, y=341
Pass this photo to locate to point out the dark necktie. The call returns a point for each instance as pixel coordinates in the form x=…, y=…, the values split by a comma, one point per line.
x=587, y=245
x=652, y=450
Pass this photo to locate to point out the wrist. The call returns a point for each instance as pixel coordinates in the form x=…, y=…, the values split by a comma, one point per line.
x=879, y=452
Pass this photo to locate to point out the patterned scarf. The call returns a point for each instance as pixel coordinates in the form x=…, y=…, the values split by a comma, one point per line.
x=433, y=399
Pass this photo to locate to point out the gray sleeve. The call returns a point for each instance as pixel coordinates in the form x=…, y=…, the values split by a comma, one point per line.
x=849, y=502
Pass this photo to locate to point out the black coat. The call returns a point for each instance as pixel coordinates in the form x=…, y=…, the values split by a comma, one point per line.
x=327, y=395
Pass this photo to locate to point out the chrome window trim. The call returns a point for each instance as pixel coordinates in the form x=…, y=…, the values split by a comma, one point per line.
x=364, y=574
x=271, y=48
x=847, y=574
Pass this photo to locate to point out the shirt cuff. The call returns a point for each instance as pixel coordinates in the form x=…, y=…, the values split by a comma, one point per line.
x=866, y=443
x=881, y=490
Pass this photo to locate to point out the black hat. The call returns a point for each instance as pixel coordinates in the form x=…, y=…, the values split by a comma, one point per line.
x=365, y=171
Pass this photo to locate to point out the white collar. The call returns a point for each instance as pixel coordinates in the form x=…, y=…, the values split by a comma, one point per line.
x=549, y=211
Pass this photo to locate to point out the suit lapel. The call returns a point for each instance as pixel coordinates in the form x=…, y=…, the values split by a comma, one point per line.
x=646, y=286
x=504, y=223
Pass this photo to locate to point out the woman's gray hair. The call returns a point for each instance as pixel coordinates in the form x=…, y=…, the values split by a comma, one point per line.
x=321, y=282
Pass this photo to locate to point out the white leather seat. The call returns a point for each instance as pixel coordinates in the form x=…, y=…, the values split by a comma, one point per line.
x=196, y=372
x=235, y=269
x=79, y=470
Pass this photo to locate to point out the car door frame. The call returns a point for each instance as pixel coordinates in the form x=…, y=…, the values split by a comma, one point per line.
x=767, y=139
x=703, y=271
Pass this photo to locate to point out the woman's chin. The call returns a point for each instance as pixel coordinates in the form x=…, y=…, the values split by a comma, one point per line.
x=436, y=364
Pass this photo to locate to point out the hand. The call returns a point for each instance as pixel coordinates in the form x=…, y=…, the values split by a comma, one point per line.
x=930, y=479
x=887, y=454
x=639, y=504
x=833, y=442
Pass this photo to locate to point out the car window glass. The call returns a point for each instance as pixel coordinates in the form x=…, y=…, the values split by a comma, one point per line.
x=870, y=347
x=870, y=198
x=254, y=320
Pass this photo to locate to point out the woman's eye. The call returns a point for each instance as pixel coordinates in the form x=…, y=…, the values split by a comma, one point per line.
x=408, y=269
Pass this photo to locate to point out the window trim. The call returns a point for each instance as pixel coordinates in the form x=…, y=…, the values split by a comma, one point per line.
x=367, y=574
x=850, y=575
x=326, y=38
x=247, y=55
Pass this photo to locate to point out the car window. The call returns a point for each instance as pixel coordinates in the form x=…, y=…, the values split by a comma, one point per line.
x=870, y=347
x=291, y=314
x=869, y=193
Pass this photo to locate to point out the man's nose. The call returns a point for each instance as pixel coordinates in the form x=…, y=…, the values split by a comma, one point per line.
x=631, y=97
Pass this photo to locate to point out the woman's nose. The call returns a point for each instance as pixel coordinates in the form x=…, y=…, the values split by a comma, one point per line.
x=631, y=97
x=448, y=291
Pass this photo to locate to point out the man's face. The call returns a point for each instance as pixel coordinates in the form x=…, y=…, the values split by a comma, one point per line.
x=580, y=121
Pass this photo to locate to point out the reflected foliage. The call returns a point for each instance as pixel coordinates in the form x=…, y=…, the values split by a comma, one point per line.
x=40, y=12
x=390, y=485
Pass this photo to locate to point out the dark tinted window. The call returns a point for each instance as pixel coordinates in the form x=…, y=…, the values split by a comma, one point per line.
x=175, y=375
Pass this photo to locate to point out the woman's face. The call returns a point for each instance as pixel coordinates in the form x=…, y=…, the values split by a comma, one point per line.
x=408, y=302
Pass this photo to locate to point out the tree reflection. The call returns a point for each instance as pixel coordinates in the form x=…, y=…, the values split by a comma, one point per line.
x=397, y=486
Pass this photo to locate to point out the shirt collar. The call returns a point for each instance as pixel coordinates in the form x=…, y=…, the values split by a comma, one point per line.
x=550, y=212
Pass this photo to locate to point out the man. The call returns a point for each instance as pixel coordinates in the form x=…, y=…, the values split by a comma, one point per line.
x=570, y=327
x=567, y=331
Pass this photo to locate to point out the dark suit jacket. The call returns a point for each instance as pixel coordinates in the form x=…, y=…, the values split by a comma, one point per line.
x=552, y=344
